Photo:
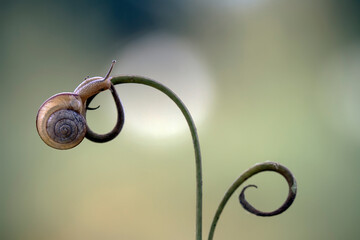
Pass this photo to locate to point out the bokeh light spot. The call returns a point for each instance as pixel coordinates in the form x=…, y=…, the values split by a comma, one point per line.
x=177, y=64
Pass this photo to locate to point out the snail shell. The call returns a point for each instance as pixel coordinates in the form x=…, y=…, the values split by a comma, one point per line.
x=60, y=121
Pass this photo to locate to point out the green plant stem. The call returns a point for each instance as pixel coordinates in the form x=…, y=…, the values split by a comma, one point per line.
x=195, y=138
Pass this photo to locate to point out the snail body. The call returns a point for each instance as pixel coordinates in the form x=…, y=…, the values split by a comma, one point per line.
x=92, y=86
x=61, y=121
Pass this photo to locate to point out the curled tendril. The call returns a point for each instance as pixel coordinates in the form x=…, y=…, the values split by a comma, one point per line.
x=270, y=166
x=261, y=167
x=100, y=138
x=267, y=166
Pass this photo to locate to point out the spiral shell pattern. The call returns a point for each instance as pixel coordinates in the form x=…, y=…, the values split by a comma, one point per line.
x=65, y=126
x=60, y=121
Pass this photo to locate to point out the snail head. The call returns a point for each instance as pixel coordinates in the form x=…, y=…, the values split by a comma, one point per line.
x=92, y=86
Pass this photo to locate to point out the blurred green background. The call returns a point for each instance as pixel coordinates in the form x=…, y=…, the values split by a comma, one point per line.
x=264, y=79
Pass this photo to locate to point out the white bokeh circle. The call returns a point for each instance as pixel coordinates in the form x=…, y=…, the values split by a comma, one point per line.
x=177, y=64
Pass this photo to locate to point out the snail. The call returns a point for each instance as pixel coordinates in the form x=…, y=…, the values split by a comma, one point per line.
x=61, y=119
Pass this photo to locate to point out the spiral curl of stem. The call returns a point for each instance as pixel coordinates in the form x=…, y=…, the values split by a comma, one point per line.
x=261, y=167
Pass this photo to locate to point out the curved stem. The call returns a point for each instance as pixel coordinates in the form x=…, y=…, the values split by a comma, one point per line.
x=266, y=166
x=101, y=138
x=195, y=138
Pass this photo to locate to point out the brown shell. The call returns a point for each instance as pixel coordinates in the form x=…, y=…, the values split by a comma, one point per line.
x=60, y=121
